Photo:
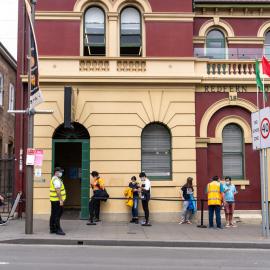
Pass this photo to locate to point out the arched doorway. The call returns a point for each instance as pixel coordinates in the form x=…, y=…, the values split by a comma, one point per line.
x=71, y=151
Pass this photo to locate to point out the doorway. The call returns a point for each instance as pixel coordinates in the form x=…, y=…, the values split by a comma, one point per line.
x=71, y=151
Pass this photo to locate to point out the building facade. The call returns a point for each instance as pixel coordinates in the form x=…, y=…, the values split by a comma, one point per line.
x=166, y=87
x=8, y=74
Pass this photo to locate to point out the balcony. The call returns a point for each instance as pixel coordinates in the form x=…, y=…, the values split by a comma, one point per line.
x=231, y=53
x=144, y=70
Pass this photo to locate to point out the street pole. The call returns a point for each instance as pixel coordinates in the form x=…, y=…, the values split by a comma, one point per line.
x=266, y=195
x=262, y=189
x=29, y=168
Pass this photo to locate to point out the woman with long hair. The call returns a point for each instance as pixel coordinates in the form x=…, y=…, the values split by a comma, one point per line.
x=188, y=204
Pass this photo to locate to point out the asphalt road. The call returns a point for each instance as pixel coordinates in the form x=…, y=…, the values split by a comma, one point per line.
x=90, y=257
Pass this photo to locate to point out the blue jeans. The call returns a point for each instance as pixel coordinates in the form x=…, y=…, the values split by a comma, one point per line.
x=211, y=210
x=135, y=207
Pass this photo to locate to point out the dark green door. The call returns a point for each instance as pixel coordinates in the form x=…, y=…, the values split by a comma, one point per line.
x=83, y=172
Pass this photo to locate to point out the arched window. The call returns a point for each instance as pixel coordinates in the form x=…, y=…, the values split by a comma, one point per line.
x=215, y=44
x=94, y=32
x=232, y=151
x=1, y=89
x=156, y=151
x=267, y=44
x=130, y=32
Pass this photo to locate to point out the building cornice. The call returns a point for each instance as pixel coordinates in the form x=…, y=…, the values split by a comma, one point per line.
x=58, y=16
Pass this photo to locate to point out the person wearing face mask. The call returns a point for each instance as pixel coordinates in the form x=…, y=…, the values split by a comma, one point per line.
x=145, y=196
x=134, y=186
x=57, y=198
x=230, y=192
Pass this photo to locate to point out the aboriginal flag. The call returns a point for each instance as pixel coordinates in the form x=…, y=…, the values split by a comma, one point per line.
x=35, y=95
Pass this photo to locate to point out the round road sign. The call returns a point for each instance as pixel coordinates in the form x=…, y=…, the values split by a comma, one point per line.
x=265, y=128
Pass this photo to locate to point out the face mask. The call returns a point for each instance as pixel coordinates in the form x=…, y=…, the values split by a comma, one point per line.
x=60, y=174
x=227, y=183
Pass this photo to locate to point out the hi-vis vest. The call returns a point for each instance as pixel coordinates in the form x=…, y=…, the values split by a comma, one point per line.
x=214, y=194
x=53, y=194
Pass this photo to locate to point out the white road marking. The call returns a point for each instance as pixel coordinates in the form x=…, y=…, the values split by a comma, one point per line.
x=4, y=263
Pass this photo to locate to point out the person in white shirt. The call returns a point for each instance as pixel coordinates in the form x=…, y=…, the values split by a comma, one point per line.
x=145, y=196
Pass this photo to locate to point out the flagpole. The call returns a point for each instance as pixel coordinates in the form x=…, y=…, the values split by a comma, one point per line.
x=258, y=105
x=263, y=93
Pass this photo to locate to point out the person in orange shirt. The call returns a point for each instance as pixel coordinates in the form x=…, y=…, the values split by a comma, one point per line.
x=97, y=184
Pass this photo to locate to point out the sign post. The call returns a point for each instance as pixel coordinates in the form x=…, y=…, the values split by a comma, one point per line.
x=261, y=141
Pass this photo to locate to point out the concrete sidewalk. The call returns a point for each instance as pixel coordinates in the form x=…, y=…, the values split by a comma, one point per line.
x=126, y=234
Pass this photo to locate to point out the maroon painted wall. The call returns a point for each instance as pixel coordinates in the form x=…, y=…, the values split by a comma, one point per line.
x=55, y=5
x=240, y=26
x=231, y=110
x=171, y=39
x=209, y=160
x=60, y=38
x=157, y=5
x=171, y=5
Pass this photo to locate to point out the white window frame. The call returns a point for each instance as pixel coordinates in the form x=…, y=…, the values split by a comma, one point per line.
x=1, y=89
x=11, y=97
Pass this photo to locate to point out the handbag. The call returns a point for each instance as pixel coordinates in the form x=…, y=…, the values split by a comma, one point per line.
x=101, y=194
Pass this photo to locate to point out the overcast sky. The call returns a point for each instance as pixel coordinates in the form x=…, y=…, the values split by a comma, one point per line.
x=9, y=25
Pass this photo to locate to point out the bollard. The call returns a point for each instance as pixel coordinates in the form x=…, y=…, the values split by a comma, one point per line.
x=202, y=208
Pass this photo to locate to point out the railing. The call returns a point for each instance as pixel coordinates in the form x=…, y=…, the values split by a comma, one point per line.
x=6, y=183
x=231, y=53
x=223, y=68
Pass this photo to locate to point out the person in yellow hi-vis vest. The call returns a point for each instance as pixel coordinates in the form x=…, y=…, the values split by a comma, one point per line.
x=57, y=198
x=215, y=195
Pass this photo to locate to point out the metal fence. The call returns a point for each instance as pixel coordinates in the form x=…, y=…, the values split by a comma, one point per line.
x=7, y=176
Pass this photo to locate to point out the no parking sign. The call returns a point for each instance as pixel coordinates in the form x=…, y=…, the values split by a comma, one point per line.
x=261, y=129
x=265, y=127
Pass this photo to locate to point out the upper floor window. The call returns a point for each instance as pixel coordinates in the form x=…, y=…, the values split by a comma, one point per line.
x=130, y=32
x=215, y=44
x=1, y=89
x=232, y=151
x=94, y=32
x=267, y=44
x=11, y=97
x=156, y=151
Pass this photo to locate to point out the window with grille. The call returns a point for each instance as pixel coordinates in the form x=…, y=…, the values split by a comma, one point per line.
x=156, y=151
x=232, y=148
x=94, y=32
x=267, y=44
x=1, y=89
x=130, y=32
x=215, y=44
x=11, y=97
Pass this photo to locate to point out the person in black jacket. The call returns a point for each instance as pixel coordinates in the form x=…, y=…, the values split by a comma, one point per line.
x=187, y=191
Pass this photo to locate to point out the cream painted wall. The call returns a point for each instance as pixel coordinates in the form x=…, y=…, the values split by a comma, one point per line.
x=115, y=119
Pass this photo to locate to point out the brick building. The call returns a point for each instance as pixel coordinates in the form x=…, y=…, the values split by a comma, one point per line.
x=161, y=86
x=8, y=74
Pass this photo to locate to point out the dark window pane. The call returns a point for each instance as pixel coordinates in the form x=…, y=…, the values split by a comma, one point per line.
x=95, y=40
x=130, y=40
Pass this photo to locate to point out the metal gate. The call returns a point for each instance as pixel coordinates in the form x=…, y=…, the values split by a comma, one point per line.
x=7, y=172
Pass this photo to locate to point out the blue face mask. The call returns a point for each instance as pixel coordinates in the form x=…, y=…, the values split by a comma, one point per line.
x=227, y=183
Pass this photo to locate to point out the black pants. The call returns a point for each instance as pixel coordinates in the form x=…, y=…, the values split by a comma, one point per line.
x=145, y=206
x=94, y=208
x=56, y=213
